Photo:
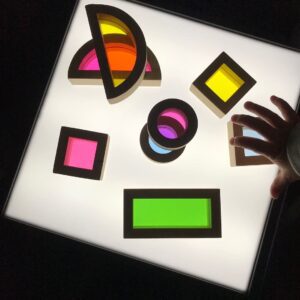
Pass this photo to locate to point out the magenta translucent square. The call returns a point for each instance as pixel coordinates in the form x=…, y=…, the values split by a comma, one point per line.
x=80, y=153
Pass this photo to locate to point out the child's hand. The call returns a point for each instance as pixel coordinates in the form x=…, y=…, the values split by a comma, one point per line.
x=276, y=132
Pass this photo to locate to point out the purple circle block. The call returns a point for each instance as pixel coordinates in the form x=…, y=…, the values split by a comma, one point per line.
x=168, y=132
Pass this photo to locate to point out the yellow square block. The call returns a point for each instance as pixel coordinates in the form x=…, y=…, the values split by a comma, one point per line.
x=224, y=82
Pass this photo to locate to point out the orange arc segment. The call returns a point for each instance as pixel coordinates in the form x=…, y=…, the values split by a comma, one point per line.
x=120, y=57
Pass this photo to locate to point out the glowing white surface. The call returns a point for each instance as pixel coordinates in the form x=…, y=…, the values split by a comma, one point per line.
x=92, y=211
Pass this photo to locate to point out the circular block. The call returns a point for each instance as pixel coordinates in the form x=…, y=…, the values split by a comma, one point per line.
x=172, y=123
x=156, y=152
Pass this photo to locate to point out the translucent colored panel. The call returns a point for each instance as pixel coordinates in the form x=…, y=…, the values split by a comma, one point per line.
x=118, y=81
x=121, y=57
x=168, y=132
x=176, y=114
x=109, y=27
x=156, y=148
x=80, y=153
x=224, y=82
x=148, y=67
x=172, y=123
x=90, y=63
x=171, y=213
x=251, y=133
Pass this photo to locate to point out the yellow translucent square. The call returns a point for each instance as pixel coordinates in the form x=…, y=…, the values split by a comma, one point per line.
x=224, y=82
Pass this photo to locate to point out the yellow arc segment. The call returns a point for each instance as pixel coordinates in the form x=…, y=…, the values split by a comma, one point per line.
x=224, y=82
x=108, y=27
x=118, y=81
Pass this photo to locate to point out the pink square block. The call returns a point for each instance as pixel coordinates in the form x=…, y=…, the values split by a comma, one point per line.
x=80, y=153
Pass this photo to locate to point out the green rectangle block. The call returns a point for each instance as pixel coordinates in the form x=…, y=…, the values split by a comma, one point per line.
x=171, y=213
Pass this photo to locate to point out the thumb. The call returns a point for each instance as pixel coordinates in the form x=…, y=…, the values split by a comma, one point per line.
x=279, y=184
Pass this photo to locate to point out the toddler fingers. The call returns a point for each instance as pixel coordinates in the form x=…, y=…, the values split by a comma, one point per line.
x=257, y=145
x=256, y=124
x=264, y=113
x=286, y=110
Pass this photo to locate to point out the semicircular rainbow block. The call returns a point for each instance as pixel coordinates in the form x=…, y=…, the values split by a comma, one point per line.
x=120, y=47
x=85, y=68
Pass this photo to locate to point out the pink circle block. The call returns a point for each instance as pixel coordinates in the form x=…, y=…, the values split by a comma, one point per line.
x=176, y=114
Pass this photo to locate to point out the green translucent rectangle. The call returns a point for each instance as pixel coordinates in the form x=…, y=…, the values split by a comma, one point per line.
x=171, y=213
